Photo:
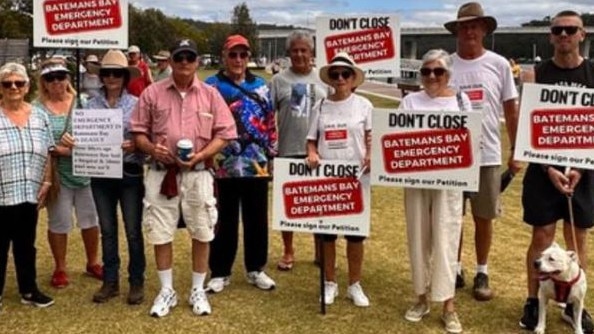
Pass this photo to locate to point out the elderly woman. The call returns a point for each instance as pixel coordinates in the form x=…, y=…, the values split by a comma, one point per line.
x=350, y=113
x=241, y=170
x=128, y=191
x=434, y=217
x=57, y=98
x=294, y=92
x=24, y=180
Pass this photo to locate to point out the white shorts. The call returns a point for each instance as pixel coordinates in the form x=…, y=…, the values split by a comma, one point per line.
x=59, y=213
x=195, y=200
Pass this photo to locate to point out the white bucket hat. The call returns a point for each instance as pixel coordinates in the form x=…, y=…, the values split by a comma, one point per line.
x=344, y=60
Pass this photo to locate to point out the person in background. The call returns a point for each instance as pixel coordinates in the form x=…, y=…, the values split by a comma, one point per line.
x=241, y=170
x=128, y=191
x=137, y=85
x=294, y=92
x=516, y=71
x=57, y=98
x=25, y=178
x=181, y=184
x=546, y=188
x=434, y=216
x=343, y=111
x=90, y=83
x=487, y=79
x=163, y=65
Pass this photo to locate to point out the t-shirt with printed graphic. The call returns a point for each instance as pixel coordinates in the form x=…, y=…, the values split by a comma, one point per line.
x=293, y=97
x=339, y=127
x=488, y=82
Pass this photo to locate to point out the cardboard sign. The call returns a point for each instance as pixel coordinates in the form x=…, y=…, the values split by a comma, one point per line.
x=90, y=24
x=426, y=149
x=556, y=126
x=373, y=41
x=330, y=199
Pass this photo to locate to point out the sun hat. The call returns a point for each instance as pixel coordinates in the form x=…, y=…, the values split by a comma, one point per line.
x=91, y=59
x=162, y=55
x=468, y=12
x=133, y=49
x=53, y=64
x=181, y=45
x=114, y=59
x=236, y=40
x=344, y=60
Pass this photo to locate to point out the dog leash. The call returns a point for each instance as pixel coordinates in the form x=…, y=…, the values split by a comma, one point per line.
x=571, y=219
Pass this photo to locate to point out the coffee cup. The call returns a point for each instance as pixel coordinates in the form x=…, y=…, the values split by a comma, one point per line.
x=184, y=149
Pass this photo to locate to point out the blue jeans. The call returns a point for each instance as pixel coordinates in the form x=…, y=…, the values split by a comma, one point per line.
x=129, y=191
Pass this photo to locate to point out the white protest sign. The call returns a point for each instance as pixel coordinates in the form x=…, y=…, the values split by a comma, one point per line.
x=98, y=135
x=556, y=126
x=328, y=199
x=86, y=24
x=426, y=149
x=373, y=41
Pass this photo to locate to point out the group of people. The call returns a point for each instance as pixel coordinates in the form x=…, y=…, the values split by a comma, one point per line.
x=237, y=123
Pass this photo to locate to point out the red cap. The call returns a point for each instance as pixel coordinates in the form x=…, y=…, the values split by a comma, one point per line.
x=236, y=40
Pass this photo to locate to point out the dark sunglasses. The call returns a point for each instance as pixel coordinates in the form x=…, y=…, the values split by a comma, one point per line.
x=438, y=71
x=242, y=55
x=569, y=30
x=108, y=72
x=334, y=75
x=51, y=77
x=10, y=84
x=189, y=57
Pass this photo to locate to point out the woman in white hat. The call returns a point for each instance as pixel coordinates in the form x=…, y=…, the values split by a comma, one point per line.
x=115, y=74
x=351, y=115
x=90, y=82
x=57, y=98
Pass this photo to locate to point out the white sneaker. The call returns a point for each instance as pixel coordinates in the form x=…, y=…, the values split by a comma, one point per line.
x=217, y=284
x=261, y=280
x=199, y=302
x=356, y=294
x=330, y=292
x=164, y=302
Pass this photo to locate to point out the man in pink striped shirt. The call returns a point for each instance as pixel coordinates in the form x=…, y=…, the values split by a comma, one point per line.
x=181, y=107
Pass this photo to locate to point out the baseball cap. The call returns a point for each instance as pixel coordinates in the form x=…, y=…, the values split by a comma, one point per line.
x=236, y=40
x=184, y=45
x=133, y=49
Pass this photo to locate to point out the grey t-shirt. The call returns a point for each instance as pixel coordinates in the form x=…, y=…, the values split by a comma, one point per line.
x=293, y=97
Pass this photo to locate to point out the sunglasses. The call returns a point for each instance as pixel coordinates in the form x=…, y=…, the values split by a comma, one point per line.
x=242, y=55
x=334, y=75
x=569, y=30
x=189, y=57
x=51, y=77
x=108, y=72
x=438, y=71
x=10, y=84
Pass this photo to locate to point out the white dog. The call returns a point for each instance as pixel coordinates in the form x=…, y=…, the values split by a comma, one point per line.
x=561, y=279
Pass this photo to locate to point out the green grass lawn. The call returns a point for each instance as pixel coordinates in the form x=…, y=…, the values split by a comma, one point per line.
x=293, y=306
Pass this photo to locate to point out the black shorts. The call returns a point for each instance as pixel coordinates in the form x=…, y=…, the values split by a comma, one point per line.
x=543, y=204
x=332, y=237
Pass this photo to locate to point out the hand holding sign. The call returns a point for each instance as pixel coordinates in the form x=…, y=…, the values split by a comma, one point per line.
x=67, y=140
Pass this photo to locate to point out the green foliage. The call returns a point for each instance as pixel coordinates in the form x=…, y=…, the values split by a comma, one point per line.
x=242, y=23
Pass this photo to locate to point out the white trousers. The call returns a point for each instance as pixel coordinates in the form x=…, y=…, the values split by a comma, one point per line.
x=433, y=224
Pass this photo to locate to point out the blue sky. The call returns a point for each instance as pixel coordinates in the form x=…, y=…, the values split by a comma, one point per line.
x=413, y=13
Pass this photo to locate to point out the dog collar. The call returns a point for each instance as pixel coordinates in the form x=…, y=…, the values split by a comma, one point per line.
x=562, y=288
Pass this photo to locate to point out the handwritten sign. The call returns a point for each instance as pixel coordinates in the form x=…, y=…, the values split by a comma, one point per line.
x=556, y=126
x=329, y=199
x=426, y=149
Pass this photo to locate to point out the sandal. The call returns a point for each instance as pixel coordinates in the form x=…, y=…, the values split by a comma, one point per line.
x=284, y=264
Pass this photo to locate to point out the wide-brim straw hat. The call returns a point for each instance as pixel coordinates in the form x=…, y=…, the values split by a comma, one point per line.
x=469, y=12
x=162, y=55
x=342, y=59
x=114, y=59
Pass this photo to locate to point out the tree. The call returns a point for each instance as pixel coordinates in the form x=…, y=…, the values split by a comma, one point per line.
x=242, y=23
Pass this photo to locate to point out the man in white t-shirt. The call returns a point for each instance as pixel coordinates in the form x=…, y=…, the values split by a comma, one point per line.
x=488, y=81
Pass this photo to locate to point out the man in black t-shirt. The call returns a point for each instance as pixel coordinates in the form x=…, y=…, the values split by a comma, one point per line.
x=546, y=187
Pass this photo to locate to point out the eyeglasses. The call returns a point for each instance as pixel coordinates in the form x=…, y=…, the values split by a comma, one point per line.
x=569, y=30
x=107, y=72
x=10, y=84
x=53, y=76
x=334, y=75
x=189, y=57
x=242, y=55
x=438, y=71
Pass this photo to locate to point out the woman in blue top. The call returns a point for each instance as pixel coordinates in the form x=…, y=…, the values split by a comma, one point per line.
x=242, y=170
x=115, y=74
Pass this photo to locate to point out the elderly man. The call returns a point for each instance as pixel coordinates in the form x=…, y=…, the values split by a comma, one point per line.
x=546, y=187
x=163, y=65
x=487, y=79
x=182, y=109
x=138, y=84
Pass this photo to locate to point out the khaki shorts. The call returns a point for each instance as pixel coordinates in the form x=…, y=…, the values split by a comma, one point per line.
x=195, y=201
x=485, y=204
